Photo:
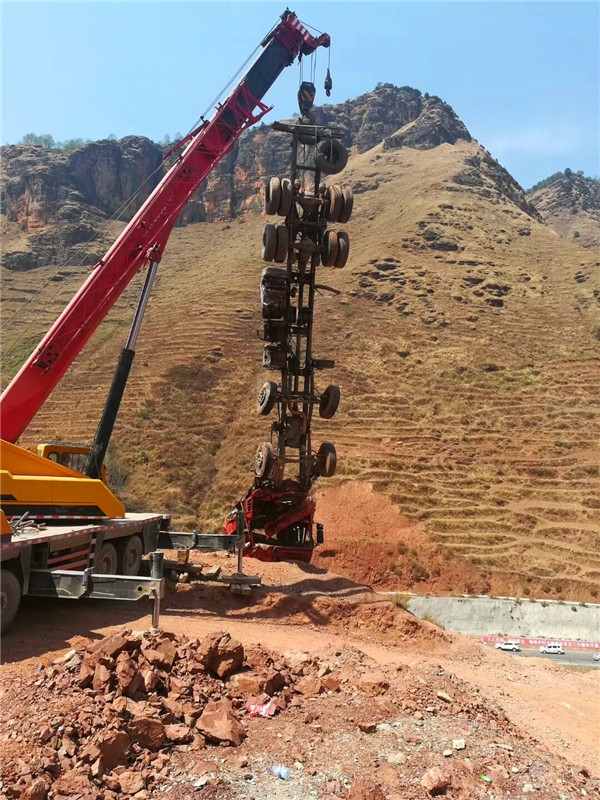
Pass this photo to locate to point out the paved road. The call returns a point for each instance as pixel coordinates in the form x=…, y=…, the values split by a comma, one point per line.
x=576, y=658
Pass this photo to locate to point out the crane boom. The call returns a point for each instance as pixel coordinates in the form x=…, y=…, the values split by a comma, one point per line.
x=146, y=235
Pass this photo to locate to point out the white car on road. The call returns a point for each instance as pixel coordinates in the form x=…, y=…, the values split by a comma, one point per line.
x=509, y=644
x=552, y=649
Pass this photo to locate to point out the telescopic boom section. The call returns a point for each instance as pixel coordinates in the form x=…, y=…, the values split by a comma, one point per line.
x=145, y=237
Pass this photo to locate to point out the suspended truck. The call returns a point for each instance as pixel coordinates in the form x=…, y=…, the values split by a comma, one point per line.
x=63, y=532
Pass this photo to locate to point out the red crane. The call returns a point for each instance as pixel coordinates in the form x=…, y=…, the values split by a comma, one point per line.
x=144, y=239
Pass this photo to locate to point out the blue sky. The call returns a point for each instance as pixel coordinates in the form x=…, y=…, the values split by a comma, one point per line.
x=524, y=77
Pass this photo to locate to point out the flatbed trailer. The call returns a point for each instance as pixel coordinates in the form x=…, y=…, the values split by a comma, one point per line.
x=69, y=560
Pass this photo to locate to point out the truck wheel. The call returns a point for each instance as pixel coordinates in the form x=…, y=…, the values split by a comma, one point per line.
x=266, y=399
x=331, y=156
x=265, y=460
x=347, y=205
x=106, y=561
x=343, y=250
x=10, y=598
x=272, y=195
x=129, y=555
x=330, y=249
x=334, y=204
x=326, y=460
x=269, y=242
x=287, y=198
x=330, y=400
x=283, y=244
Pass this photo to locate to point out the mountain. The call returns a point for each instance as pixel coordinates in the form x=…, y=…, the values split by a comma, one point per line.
x=466, y=337
x=56, y=204
x=571, y=206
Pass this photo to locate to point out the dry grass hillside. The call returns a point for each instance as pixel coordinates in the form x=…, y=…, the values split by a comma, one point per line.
x=467, y=342
x=571, y=206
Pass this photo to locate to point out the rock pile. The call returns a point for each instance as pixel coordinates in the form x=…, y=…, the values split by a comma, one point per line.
x=110, y=711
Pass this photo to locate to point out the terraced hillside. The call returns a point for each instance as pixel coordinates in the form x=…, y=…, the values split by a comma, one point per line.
x=467, y=342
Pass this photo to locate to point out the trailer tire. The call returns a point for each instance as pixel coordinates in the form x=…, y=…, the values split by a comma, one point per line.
x=335, y=201
x=283, y=244
x=330, y=249
x=343, y=250
x=327, y=460
x=330, y=400
x=265, y=460
x=331, y=156
x=272, y=195
x=287, y=198
x=10, y=598
x=129, y=555
x=347, y=205
x=106, y=561
x=266, y=399
x=269, y=242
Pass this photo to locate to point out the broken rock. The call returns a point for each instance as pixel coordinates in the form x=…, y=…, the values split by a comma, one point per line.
x=436, y=781
x=113, y=747
x=36, y=790
x=221, y=654
x=219, y=724
x=147, y=732
x=373, y=684
x=128, y=675
x=131, y=782
x=179, y=734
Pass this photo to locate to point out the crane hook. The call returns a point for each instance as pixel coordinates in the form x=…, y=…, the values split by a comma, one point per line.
x=328, y=83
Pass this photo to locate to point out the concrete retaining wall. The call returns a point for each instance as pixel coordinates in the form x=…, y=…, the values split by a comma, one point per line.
x=480, y=616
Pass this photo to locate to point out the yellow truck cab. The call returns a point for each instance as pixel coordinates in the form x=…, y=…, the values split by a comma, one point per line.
x=73, y=455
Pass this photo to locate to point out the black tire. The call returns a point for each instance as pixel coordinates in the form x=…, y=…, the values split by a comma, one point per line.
x=130, y=552
x=343, y=250
x=106, y=561
x=272, y=196
x=347, y=205
x=330, y=249
x=10, y=598
x=287, y=198
x=283, y=244
x=335, y=201
x=264, y=461
x=330, y=400
x=266, y=399
x=327, y=460
x=269, y=243
x=331, y=156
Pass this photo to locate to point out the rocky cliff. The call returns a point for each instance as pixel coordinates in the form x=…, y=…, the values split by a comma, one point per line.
x=571, y=206
x=58, y=201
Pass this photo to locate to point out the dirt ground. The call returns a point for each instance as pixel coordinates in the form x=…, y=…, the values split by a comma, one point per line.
x=408, y=693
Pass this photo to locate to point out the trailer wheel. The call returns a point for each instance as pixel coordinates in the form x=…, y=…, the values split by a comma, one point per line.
x=287, y=198
x=283, y=244
x=272, y=195
x=343, y=250
x=330, y=400
x=327, y=460
x=10, y=598
x=266, y=398
x=105, y=563
x=330, y=249
x=331, y=156
x=269, y=242
x=347, y=205
x=129, y=555
x=335, y=200
x=265, y=460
